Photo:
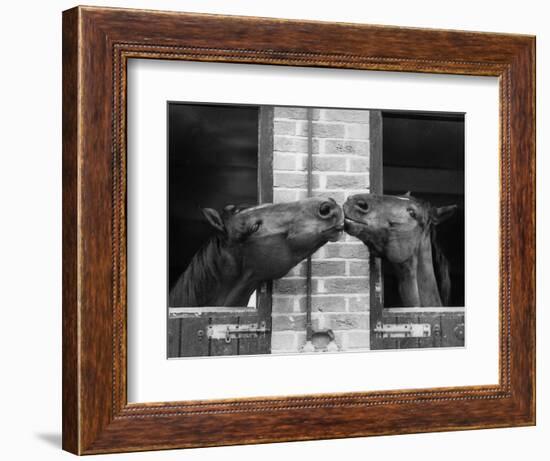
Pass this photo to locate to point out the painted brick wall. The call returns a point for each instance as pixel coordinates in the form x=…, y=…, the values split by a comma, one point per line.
x=340, y=278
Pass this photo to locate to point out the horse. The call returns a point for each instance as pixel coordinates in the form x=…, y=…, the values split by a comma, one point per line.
x=402, y=230
x=252, y=245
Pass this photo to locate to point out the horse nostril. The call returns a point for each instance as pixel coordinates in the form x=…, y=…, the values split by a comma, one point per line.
x=325, y=209
x=362, y=205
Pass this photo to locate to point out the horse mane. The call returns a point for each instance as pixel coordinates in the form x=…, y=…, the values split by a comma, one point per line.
x=201, y=276
x=441, y=268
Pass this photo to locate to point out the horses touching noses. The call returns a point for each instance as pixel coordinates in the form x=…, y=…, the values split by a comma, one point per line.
x=252, y=245
x=401, y=230
x=255, y=244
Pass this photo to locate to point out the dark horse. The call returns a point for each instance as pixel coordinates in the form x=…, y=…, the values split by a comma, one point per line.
x=402, y=230
x=252, y=245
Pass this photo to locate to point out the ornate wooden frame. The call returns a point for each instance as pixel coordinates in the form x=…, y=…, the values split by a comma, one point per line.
x=97, y=42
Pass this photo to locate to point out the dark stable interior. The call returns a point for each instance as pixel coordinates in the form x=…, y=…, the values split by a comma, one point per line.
x=424, y=154
x=212, y=162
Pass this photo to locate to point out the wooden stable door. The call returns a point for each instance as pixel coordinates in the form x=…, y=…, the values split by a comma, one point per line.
x=211, y=331
x=423, y=154
x=218, y=155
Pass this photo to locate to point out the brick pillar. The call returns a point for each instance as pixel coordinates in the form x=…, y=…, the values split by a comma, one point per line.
x=340, y=278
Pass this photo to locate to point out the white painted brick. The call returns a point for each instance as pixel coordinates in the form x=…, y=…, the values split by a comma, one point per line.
x=286, y=161
x=290, y=180
x=348, y=250
x=285, y=322
x=290, y=286
x=337, y=196
x=347, y=321
x=346, y=181
x=358, y=304
x=328, y=130
x=285, y=127
x=358, y=339
x=359, y=164
x=357, y=131
x=341, y=146
x=359, y=268
x=342, y=115
x=301, y=128
x=286, y=341
x=340, y=281
x=329, y=163
x=289, y=144
x=282, y=304
x=328, y=303
x=320, y=253
x=345, y=285
x=285, y=195
x=319, y=286
x=290, y=112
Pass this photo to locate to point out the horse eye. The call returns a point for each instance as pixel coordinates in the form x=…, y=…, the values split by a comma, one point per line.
x=412, y=213
x=325, y=209
x=255, y=227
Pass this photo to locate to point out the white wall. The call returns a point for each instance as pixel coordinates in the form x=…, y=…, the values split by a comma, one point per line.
x=30, y=243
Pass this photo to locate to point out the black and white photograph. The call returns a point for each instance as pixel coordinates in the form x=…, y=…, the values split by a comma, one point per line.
x=313, y=229
x=275, y=230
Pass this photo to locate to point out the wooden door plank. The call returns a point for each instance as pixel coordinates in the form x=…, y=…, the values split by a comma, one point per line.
x=255, y=345
x=375, y=265
x=174, y=337
x=221, y=346
x=452, y=330
x=248, y=346
x=194, y=342
x=446, y=329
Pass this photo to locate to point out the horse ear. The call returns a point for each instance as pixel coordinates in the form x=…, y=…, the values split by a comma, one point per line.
x=407, y=194
x=214, y=218
x=443, y=213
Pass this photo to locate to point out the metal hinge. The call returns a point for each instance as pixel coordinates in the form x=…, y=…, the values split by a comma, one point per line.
x=403, y=330
x=236, y=331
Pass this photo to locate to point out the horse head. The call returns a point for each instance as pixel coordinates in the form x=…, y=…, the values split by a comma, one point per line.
x=270, y=239
x=392, y=226
x=252, y=245
x=401, y=230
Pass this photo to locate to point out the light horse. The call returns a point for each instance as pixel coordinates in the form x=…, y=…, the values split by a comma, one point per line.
x=253, y=245
x=402, y=230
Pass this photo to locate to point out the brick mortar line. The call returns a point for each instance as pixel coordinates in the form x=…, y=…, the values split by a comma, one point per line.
x=322, y=121
x=325, y=295
x=322, y=138
x=326, y=173
x=328, y=261
x=304, y=154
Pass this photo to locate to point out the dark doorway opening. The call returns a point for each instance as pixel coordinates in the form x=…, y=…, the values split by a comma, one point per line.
x=212, y=162
x=424, y=153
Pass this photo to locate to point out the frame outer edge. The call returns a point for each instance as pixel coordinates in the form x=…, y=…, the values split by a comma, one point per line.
x=91, y=422
x=524, y=240
x=96, y=235
x=533, y=179
x=522, y=249
x=70, y=273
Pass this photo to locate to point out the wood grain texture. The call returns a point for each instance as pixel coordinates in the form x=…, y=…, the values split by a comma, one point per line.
x=97, y=42
x=70, y=383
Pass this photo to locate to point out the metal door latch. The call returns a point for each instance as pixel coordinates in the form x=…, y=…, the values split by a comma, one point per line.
x=403, y=330
x=236, y=331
